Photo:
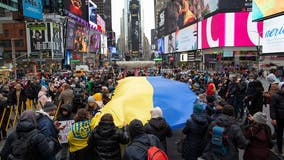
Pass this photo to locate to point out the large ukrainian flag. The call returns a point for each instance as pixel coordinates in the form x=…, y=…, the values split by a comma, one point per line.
x=134, y=97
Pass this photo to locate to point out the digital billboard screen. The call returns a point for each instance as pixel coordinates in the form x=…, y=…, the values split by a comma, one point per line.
x=77, y=8
x=33, y=9
x=161, y=48
x=81, y=38
x=92, y=13
x=262, y=9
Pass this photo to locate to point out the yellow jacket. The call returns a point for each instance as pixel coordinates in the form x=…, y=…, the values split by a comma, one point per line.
x=79, y=134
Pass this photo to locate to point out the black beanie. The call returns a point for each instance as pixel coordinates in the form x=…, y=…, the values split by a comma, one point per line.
x=228, y=110
x=136, y=128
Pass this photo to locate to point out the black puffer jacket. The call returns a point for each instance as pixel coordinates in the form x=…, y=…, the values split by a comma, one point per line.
x=277, y=106
x=236, y=139
x=195, y=130
x=160, y=128
x=39, y=144
x=105, y=140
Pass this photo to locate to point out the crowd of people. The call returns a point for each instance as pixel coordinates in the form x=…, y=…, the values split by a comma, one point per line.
x=227, y=116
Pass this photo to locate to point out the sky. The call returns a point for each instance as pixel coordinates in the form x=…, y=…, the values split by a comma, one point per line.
x=149, y=22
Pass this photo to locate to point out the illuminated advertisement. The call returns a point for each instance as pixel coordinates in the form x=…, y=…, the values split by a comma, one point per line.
x=81, y=38
x=33, y=9
x=57, y=40
x=95, y=40
x=170, y=43
x=101, y=23
x=77, y=8
x=92, y=13
x=104, y=44
x=186, y=39
x=273, y=36
x=264, y=8
x=229, y=29
x=70, y=35
x=181, y=13
x=161, y=48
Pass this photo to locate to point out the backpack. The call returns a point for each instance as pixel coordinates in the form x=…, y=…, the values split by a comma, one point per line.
x=21, y=148
x=153, y=152
x=219, y=140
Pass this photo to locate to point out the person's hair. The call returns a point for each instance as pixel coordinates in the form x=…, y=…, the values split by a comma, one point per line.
x=228, y=110
x=81, y=115
x=107, y=117
x=66, y=86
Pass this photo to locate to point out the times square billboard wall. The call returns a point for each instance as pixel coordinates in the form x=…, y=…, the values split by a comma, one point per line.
x=273, y=37
x=229, y=30
x=76, y=8
x=262, y=9
x=181, y=13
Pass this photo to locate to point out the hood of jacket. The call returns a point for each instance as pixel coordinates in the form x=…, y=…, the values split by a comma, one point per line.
x=225, y=120
x=158, y=123
x=200, y=118
x=25, y=126
x=105, y=129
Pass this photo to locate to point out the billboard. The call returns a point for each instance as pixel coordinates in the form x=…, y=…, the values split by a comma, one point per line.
x=263, y=8
x=77, y=8
x=101, y=23
x=57, y=39
x=92, y=13
x=181, y=13
x=186, y=39
x=33, y=9
x=273, y=37
x=161, y=47
x=230, y=30
x=95, y=40
x=70, y=35
x=170, y=43
x=81, y=38
x=39, y=36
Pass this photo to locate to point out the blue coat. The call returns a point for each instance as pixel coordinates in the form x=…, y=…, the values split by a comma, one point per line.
x=195, y=130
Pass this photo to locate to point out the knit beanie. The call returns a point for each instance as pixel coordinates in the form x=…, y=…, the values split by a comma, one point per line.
x=198, y=107
x=91, y=99
x=260, y=117
x=136, y=128
x=156, y=112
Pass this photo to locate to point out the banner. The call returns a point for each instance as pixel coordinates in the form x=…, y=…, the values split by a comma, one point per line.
x=229, y=30
x=273, y=38
x=95, y=40
x=64, y=132
x=33, y=9
x=170, y=43
x=57, y=40
x=70, y=35
x=39, y=35
x=263, y=8
x=186, y=39
x=161, y=47
x=81, y=38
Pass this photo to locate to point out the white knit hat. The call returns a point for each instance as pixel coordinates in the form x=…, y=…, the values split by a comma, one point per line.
x=156, y=112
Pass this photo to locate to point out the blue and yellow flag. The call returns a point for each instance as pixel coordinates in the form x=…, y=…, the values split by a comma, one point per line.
x=134, y=97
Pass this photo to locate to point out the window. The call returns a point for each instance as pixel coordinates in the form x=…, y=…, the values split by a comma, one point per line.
x=5, y=43
x=21, y=32
x=19, y=43
x=6, y=33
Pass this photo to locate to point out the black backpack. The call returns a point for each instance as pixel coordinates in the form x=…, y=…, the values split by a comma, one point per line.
x=21, y=148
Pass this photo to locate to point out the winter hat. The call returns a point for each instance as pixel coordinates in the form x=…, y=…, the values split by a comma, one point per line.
x=198, y=107
x=156, y=112
x=136, y=128
x=91, y=99
x=260, y=117
x=49, y=107
x=66, y=107
x=280, y=85
x=271, y=78
x=98, y=97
